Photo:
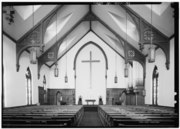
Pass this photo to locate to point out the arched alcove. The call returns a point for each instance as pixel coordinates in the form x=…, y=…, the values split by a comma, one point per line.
x=90, y=66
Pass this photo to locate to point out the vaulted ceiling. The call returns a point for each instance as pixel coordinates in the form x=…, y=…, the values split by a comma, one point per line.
x=69, y=23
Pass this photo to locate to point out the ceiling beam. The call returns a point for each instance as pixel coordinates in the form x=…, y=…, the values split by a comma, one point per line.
x=118, y=36
x=172, y=36
x=70, y=48
x=130, y=52
x=142, y=19
x=11, y=38
x=44, y=57
x=145, y=29
x=35, y=33
x=39, y=23
x=108, y=44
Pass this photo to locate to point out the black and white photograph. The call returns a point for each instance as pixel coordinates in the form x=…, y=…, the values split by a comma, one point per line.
x=90, y=64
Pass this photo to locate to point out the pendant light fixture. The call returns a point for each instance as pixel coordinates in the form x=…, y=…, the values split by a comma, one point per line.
x=33, y=51
x=56, y=70
x=66, y=77
x=126, y=70
x=152, y=48
x=115, y=78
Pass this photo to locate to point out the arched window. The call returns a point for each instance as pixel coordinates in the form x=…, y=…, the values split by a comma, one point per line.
x=44, y=82
x=29, y=86
x=155, y=86
x=45, y=89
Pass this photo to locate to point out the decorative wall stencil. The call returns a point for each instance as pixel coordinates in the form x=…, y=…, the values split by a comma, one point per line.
x=148, y=35
x=131, y=53
x=50, y=55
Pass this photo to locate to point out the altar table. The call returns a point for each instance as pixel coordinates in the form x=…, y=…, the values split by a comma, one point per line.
x=90, y=100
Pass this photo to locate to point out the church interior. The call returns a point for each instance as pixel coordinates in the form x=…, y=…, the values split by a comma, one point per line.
x=89, y=65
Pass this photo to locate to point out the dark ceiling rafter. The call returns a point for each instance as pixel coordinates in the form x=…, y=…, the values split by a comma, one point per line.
x=40, y=22
x=130, y=52
x=55, y=47
x=40, y=29
x=122, y=39
x=136, y=18
x=139, y=56
x=90, y=17
x=47, y=65
x=27, y=43
x=144, y=28
x=35, y=33
x=156, y=48
x=70, y=48
x=107, y=44
x=11, y=38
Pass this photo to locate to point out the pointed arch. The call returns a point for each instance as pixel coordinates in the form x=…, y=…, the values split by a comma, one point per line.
x=88, y=43
x=155, y=76
x=44, y=82
x=29, y=86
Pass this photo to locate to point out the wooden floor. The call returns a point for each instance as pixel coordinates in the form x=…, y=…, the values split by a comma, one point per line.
x=138, y=116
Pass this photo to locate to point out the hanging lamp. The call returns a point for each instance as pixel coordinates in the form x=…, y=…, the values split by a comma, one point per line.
x=152, y=50
x=56, y=70
x=126, y=70
x=33, y=51
x=115, y=78
x=66, y=77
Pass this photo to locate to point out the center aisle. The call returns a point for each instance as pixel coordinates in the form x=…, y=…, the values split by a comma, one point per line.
x=91, y=117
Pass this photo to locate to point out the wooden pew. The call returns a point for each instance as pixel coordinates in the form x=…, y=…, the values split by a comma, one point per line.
x=42, y=116
x=128, y=116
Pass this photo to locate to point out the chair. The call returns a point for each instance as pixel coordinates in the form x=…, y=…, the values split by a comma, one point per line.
x=100, y=101
x=80, y=101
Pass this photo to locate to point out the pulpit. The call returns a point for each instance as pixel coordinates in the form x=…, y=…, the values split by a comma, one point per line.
x=130, y=98
x=135, y=96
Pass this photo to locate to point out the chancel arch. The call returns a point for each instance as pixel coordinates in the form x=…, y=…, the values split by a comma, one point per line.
x=89, y=59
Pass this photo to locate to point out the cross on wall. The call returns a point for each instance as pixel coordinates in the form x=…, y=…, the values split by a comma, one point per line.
x=90, y=61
